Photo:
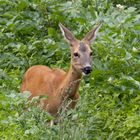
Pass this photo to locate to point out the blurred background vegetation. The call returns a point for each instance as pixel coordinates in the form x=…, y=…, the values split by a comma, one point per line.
x=109, y=107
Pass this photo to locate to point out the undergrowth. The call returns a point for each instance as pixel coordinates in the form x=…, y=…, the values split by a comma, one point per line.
x=109, y=104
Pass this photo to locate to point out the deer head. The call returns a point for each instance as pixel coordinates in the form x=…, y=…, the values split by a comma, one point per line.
x=81, y=53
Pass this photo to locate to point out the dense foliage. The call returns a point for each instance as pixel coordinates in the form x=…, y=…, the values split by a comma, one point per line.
x=109, y=107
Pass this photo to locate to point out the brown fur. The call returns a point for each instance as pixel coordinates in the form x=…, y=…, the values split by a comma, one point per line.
x=57, y=84
x=41, y=80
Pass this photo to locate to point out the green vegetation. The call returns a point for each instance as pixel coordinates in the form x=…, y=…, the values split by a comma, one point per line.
x=109, y=107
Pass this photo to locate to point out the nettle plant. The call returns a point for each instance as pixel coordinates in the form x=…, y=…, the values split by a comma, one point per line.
x=109, y=103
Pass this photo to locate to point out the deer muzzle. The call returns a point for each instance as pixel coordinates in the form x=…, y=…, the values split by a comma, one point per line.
x=87, y=70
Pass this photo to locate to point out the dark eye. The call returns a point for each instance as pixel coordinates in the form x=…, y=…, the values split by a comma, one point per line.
x=91, y=53
x=76, y=54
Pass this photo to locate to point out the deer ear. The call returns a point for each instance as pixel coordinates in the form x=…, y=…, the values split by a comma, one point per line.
x=91, y=36
x=67, y=34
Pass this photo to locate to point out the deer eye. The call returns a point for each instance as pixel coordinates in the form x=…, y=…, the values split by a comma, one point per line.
x=76, y=54
x=91, y=53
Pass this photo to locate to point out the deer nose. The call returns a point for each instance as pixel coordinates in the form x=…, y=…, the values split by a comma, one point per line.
x=87, y=69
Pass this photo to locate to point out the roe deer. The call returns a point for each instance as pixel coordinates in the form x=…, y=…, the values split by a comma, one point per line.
x=57, y=84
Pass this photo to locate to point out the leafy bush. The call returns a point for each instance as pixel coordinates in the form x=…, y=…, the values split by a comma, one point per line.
x=109, y=107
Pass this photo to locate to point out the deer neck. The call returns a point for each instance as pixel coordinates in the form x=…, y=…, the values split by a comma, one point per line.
x=71, y=82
